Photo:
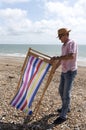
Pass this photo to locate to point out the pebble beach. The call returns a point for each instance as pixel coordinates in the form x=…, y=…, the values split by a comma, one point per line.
x=12, y=119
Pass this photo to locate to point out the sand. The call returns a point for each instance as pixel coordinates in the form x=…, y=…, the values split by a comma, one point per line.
x=12, y=119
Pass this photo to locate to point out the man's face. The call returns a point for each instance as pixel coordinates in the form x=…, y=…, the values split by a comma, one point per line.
x=63, y=37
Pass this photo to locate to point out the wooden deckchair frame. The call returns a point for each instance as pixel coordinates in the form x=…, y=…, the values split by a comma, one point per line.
x=47, y=59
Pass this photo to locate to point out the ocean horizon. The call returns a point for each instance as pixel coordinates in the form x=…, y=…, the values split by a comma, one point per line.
x=20, y=50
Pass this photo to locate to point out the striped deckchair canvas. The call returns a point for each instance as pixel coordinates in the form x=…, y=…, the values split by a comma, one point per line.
x=33, y=75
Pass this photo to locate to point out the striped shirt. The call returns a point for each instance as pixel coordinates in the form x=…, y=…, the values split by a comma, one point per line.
x=71, y=64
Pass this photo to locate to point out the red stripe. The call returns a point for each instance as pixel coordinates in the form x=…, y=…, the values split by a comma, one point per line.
x=35, y=73
x=30, y=83
x=24, y=105
x=23, y=85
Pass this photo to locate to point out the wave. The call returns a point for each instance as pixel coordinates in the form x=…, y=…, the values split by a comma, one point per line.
x=13, y=54
x=82, y=61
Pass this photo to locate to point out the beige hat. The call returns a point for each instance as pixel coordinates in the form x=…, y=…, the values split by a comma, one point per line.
x=63, y=31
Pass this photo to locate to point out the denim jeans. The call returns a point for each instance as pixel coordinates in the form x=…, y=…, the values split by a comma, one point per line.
x=65, y=87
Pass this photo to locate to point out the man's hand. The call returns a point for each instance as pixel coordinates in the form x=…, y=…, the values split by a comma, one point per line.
x=55, y=58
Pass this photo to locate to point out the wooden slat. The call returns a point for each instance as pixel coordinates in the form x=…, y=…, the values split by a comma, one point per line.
x=41, y=56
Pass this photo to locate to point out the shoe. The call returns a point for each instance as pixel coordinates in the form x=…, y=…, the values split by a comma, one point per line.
x=59, y=120
x=60, y=110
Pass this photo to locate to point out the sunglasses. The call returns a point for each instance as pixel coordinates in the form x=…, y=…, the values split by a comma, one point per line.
x=61, y=35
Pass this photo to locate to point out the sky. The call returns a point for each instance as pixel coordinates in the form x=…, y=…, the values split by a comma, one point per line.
x=37, y=21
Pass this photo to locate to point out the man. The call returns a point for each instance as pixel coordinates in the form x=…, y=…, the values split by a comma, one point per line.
x=68, y=61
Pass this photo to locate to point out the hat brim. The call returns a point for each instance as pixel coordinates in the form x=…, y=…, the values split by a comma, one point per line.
x=64, y=33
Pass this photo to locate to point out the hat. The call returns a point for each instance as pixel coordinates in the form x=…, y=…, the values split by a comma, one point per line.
x=63, y=31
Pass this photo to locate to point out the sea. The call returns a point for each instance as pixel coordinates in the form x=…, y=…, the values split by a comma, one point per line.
x=20, y=50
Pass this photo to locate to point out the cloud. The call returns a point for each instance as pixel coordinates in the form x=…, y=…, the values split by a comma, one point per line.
x=13, y=1
x=16, y=21
x=12, y=13
x=65, y=11
x=71, y=15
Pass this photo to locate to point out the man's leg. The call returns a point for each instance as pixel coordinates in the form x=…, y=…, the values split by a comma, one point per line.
x=69, y=78
x=61, y=86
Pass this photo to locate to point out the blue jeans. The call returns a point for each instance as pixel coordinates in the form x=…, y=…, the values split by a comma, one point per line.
x=65, y=87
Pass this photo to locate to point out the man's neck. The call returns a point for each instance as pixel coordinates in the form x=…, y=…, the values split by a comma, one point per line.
x=66, y=41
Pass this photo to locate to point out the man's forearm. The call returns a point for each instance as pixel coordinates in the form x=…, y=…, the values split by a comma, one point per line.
x=66, y=57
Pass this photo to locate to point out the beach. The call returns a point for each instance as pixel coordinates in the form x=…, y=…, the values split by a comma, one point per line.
x=12, y=119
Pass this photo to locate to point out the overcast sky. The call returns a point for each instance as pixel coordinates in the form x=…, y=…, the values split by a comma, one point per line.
x=37, y=21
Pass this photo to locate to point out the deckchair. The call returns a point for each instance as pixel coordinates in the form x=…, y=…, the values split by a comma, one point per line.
x=34, y=70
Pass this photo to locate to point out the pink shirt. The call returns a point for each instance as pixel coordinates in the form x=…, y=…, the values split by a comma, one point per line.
x=67, y=65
